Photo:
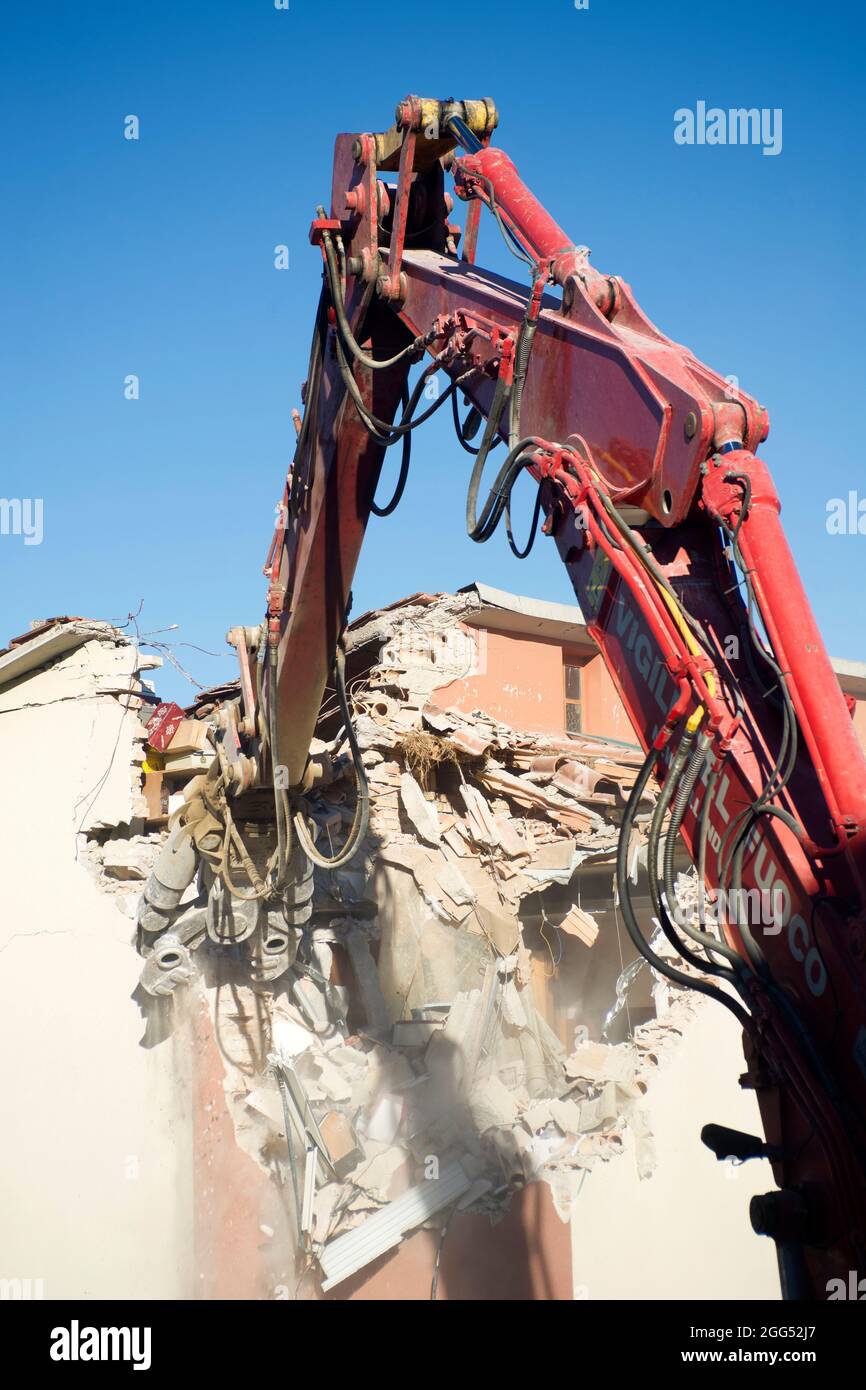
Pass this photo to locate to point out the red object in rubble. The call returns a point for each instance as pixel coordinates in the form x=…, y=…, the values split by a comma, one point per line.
x=161, y=727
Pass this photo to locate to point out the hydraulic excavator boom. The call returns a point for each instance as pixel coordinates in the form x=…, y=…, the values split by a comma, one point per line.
x=667, y=522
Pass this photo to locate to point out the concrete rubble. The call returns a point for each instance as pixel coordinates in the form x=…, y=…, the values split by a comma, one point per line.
x=429, y=1056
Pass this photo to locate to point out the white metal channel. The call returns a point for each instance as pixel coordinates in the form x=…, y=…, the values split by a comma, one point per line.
x=354, y=1250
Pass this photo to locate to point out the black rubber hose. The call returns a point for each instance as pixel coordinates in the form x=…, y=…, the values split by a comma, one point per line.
x=670, y=972
x=491, y=425
x=701, y=937
x=756, y=955
x=382, y=432
x=459, y=428
x=361, y=820
x=665, y=921
x=655, y=570
x=681, y=799
x=499, y=497
x=783, y=767
x=525, y=337
x=481, y=528
x=376, y=364
x=404, y=467
x=664, y=799
x=533, y=526
x=700, y=934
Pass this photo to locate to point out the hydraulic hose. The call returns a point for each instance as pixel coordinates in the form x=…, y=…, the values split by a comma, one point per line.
x=361, y=820
x=681, y=799
x=375, y=364
x=382, y=432
x=533, y=526
x=481, y=528
x=670, y=972
x=683, y=794
x=403, y=475
x=686, y=753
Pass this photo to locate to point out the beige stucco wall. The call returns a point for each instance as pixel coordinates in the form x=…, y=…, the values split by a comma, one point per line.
x=95, y=1169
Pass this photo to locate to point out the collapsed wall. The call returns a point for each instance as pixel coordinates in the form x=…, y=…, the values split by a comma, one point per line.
x=403, y=1056
x=449, y=1022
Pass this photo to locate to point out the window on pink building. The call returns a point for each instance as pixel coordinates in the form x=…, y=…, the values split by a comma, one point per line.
x=573, y=718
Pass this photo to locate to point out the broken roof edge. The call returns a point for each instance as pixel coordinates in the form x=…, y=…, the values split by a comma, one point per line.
x=48, y=641
x=851, y=674
x=531, y=617
x=487, y=606
x=565, y=621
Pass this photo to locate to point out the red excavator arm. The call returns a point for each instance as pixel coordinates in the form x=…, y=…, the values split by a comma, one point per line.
x=668, y=524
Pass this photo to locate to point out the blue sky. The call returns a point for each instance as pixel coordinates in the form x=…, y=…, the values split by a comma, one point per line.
x=156, y=257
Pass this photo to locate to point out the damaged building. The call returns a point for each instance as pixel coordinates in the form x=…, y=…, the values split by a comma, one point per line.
x=444, y=1072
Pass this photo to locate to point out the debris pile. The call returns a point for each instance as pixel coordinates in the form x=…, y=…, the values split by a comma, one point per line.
x=450, y=1117
x=401, y=1066
x=409, y=1065
x=480, y=815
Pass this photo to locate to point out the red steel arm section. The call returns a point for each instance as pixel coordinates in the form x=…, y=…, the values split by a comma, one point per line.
x=622, y=418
